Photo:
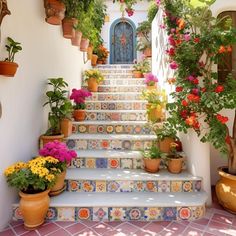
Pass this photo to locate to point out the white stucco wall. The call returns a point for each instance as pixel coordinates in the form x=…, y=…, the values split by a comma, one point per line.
x=114, y=13
x=45, y=54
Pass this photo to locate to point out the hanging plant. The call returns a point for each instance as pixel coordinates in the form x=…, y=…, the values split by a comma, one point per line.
x=126, y=5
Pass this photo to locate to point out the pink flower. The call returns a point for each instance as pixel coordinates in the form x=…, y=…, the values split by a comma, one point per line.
x=174, y=65
x=187, y=37
x=150, y=79
x=79, y=95
x=171, y=41
x=191, y=78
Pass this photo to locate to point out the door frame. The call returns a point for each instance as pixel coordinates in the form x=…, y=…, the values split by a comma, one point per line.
x=112, y=28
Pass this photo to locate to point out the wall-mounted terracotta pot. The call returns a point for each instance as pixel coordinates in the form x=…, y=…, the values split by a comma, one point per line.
x=68, y=25
x=75, y=41
x=8, y=68
x=94, y=60
x=84, y=45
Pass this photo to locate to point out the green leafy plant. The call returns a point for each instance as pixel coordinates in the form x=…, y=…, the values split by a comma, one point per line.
x=152, y=153
x=152, y=11
x=12, y=48
x=59, y=104
x=96, y=74
x=143, y=66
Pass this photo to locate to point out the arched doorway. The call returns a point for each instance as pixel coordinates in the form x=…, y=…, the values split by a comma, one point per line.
x=122, y=42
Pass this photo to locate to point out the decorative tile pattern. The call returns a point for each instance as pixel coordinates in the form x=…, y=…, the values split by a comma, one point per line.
x=111, y=97
x=135, y=89
x=122, y=81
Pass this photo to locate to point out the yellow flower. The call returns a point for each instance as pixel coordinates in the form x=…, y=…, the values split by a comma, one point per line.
x=50, y=177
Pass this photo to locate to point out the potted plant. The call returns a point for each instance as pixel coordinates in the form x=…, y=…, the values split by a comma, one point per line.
x=93, y=78
x=78, y=96
x=57, y=100
x=156, y=104
x=34, y=180
x=59, y=151
x=8, y=67
x=102, y=54
x=55, y=11
x=200, y=93
x=151, y=81
x=152, y=158
x=137, y=70
x=141, y=68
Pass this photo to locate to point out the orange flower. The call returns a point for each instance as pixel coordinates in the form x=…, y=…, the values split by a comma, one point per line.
x=222, y=49
x=181, y=24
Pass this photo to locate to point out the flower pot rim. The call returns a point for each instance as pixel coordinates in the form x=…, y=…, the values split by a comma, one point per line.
x=9, y=62
x=174, y=157
x=53, y=135
x=28, y=195
x=222, y=171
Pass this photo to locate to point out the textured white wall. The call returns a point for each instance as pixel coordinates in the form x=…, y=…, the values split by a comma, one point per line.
x=113, y=11
x=45, y=54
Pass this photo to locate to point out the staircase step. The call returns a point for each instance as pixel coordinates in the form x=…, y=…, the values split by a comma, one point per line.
x=115, y=67
x=143, y=206
x=116, y=105
x=127, y=82
x=109, y=96
x=123, y=88
x=105, y=180
x=111, y=127
x=116, y=115
x=109, y=141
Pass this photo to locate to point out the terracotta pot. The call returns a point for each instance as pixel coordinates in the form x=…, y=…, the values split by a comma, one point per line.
x=92, y=85
x=164, y=144
x=152, y=165
x=89, y=52
x=226, y=190
x=79, y=115
x=104, y=61
x=34, y=208
x=59, y=186
x=8, y=68
x=46, y=139
x=68, y=27
x=154, y=114
x=175, y=165
x=148, y=52
x=66, y=127
x=137, y=74
x=99, y=61
x=75, y=41
x=84, y=44
x=55, y=11
x=151, y=87
x=94, y=60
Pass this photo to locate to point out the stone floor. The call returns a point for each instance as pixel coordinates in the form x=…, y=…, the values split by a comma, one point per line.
x=216, y=222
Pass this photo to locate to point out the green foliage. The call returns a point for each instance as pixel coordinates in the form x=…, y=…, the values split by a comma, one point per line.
x=143, y=66
x=96, y=74
x=165, y=131
x=12, y=48
x=152, y=11
x=153, y=152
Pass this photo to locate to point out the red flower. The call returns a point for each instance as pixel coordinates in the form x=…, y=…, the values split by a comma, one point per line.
x=195, y=81
x=222, y=119
x=196, y=40
x=203, y=89
x=219, y=89
x=190, y=120
x=222, y=49
x=193, y=98
x=171, y=52
x=178, y=89
x=228, y=139
x=184, y=103
x=184, y=114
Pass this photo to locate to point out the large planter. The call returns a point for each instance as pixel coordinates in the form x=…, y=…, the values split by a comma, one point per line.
x=75, y=41
x=154, y=113
x=152, y=165
x=94, y=60
x=8, y=68
x=55, y=11
x=79, y=115
x=164, y=144
x=84, y=45
x=147, y=52
x=137, y=74
x=46, y=139
x=59, y=186
x=34, y=208
x=68, y=25
x=226, y=190
x=66, y=127
x=92, y=85
x=175, y=164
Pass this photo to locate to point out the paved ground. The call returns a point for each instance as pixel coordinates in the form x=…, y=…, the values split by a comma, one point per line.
x=216, y=222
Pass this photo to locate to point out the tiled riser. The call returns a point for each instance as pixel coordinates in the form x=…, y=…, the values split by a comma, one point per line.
x=111, y=129
x=116, y=105
x=112, y=97
x=118, y=76
x=132, y=186
x=127, y=82
x=111, y=163
x=121, y=89
x=154, y=213
x=115, y=116
x=83, y=144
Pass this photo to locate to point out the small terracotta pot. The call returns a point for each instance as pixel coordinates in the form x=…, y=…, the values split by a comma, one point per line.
x=34, y=208
x=92, y=85
x=55, y=11
x=59, y=186
x=8, y=68
x=94, y=60
x=148, y=52
x=137, y=74
x=151, y=87
x=99, y=61
x=68, y=27
x=75, y=41
x=89, y=52
x=175, y=165
x=226, y=190
x=164, y=144
x=84, y=44
x=79, y=115
x=66, y=127
x=152, y=165
x=154, y=114
x=46, y=139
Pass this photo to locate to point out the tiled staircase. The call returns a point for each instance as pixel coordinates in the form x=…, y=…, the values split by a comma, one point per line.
x=106, y=181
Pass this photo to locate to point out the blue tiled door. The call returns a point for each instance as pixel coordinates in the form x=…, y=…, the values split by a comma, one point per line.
x=123, y=38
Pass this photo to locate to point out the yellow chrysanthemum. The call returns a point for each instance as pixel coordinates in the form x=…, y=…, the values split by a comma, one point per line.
x=50, y=177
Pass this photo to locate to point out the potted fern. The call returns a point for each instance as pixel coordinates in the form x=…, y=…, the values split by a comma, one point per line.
x=8, y=67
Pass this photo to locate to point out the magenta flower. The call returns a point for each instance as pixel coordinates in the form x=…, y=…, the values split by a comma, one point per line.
x=187, y=37
x=174, y=65
x=171, y=41
x=151, y=79
x=191, y=78
x=79, y=95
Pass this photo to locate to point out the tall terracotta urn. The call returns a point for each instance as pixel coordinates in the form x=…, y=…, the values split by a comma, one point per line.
x=34, y=208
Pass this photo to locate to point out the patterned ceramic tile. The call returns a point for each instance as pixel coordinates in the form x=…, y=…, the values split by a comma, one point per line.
x=90, y=163
x=164, y=186
x=126, y=163
x=112, y=97
x=81, y=144
x=140, y=186
x=126, y=186
x=73, y=185
x=184, y=213
x=101, y=163
x=101, y=186
x=52, y=213
x=84, y=213
x=117, y=214
x=152, y=213
x=17, y=213
x=198, y=212
x=197, y=185
x=136, y=213
x=151, y=186
x=169, y=213
x=66, y=214
x=114, y=163
x=113, y=186
x=100, y=214
x=88, y=185
x=138, y=163
x=187, y=186
x=176, y=186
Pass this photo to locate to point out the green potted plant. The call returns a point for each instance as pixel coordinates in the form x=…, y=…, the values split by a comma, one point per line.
x=141, y=68
x=93, y=78
x=102, y=54
x=33, y=180
x=8, y=67
x=152, y=158
x=58, y=102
